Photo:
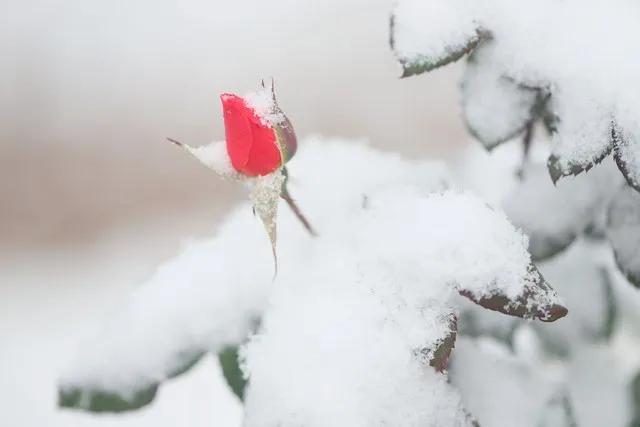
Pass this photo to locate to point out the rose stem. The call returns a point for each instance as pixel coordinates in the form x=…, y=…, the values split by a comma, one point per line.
x=296, y=210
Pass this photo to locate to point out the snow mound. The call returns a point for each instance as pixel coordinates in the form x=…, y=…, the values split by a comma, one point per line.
x=358, y=325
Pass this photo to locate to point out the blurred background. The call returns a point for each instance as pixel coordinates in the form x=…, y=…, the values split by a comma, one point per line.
x=93, y=197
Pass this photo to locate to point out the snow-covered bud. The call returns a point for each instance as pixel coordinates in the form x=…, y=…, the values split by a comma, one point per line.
x=259, y=137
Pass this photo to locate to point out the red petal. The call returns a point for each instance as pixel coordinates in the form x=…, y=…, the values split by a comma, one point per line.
x=251, y=143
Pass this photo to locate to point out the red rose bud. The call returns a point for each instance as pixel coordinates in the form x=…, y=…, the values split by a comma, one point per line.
x=259, y=137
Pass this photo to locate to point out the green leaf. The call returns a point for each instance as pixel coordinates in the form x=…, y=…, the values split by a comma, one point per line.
x=95, y=400
x=103, y=400
x=231, y=370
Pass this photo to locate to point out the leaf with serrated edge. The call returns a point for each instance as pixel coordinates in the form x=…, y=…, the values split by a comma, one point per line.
x=423, y=40
x=537, y=301
x=582, y=136
x=627, y=155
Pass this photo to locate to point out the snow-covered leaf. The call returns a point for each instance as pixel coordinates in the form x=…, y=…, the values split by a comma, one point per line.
x=498, y=387
x=537, y=300
x=193, y=304
x=583, y=135
x=496, y=108
x=104, y=400
x=585, y=67
x=627, y=155
x=598, y=383
x=429, y=34
x=348, y=309
x=353, y=361
x=581, y=276
x=437, y=354
x=623, y=231
x=95, y=400
x=553, y=216
x=230, y=365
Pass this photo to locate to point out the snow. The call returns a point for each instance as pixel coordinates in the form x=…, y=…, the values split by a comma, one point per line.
x=628, y=154
x=264, y=104
x=51, y=299
x=567, y=48
x=623, y=232
x=583, y=134
x=518, y=373
x=495, y=107
x=428, y=32
x=498, y=387
x=583, y=275
x=554, y=215
x=335, y=352
x=214, y=156
x=193, y=304
x=367, y=302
